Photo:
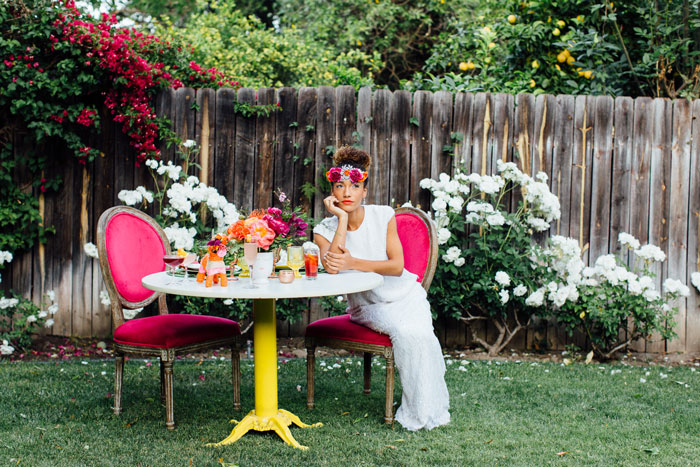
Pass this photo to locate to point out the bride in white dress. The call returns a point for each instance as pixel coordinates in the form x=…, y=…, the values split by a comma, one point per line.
x=364, y=238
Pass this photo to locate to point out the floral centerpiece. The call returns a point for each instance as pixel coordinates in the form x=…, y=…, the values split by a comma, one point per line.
x=271, y=228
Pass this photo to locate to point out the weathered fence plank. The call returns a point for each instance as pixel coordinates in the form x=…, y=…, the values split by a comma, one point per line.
x=659, y=199
x=379, y=174
x=692, y=319
x=244, y=157
x=601, y=176
x=678, y=216
x=462, y=121
x=621, y=170
x=264, y=163
x=224, y=163
x=305, y=146
x=285, y=133
x=205, y=134
x=420, y=147
x=400, y=169
x=345, y=124
x=440, y=140
x=325, y=140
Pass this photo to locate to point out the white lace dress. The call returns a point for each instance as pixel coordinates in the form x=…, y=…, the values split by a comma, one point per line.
x=400, y=309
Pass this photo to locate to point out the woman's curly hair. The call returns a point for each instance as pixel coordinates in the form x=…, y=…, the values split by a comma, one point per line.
x=352, y=156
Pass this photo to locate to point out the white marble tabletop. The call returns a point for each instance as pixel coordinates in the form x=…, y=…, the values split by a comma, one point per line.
x=325, y=284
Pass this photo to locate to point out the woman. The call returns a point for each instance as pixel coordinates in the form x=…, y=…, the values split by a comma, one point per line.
x=364, y=238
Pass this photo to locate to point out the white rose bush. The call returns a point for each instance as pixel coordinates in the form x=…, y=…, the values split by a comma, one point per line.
x=612, y=303
x=494, y=266
x=489, y=268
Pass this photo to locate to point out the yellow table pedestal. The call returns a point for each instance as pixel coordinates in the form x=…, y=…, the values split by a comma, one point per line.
x=266, y=416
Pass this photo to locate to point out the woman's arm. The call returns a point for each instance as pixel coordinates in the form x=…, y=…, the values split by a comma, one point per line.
x=343, y=260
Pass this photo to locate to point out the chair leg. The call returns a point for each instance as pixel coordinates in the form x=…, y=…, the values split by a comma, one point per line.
x=310, y=368
x=168, y=383
x=389, y=403
x=236, y=374
x=367, y=366
x=162, y=381
x=118, y=378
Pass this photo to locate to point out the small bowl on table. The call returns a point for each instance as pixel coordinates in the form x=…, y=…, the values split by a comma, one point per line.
x=286, y=276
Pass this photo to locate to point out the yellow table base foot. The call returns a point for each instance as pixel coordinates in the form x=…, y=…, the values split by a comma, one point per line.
x=278, y=423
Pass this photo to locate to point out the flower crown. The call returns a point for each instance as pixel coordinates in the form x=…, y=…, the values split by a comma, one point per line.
x=346, y=172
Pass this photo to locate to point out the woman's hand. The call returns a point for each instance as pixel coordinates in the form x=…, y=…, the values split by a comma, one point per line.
x=333, y=206
x=336, y=262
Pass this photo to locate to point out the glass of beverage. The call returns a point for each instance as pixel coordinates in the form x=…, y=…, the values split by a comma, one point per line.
x=311, y=254
x=295, y=259
x=172, y=262
x=250, y=253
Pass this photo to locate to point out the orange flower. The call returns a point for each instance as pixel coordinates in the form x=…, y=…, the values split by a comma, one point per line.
x=238, y=230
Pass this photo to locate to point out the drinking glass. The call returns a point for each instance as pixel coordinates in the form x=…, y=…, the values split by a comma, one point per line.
x=250, y=252
x=311, y=255
x=172, y=262
x=295, y=259
x=186, y=261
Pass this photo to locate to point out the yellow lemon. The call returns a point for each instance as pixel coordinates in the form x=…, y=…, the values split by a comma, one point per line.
x=588, y=74
x=463, y=66
x=580, y=73
x=570, y=60
x=556, y=32
x=557, y=67
x=487, y=60
x=561, y=23
x=512, y=19
x=491, y=45
x=532, y=83
x=549, y=19
x=535, y=64
x=561, y=57
x=470, y=65
x=580, y=18
x=359, y=43
x=582, y=315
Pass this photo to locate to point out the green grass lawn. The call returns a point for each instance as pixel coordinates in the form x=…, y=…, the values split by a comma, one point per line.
x=503, y=413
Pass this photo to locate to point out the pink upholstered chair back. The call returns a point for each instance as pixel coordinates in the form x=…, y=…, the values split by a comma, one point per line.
x=419, y=241
x=131, y=245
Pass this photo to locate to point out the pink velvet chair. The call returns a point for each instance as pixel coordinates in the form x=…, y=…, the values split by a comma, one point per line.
x=131, y=245
x=420, y=249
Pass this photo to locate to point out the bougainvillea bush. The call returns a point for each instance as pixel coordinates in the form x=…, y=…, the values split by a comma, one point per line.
x=61, y=71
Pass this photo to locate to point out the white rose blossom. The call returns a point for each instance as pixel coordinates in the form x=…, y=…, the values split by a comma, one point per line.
x=650, y=253
x=520, y=290
x=502, y=278
x=460, y=261
x=536, y=298
x=189, y=143
x=628, y=240
x=6, y=348
x=48, y=323
x=5, y=257
x=451, y=254
x=675, y=286
x=90, y=249
x=695, y=280
x=504, y=296
x=443, y=236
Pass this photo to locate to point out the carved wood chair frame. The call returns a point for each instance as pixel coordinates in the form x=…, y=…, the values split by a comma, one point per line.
x=166, y=356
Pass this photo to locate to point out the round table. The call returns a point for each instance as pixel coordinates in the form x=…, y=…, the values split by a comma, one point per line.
x=267, y=416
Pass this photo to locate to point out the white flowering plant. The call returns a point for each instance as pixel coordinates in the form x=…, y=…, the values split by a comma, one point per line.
x=489, y=262
x=20, y=319
x=184, y=206
x=612, y=302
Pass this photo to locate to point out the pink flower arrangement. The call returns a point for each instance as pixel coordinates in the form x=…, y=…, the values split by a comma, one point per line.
x=271, y=228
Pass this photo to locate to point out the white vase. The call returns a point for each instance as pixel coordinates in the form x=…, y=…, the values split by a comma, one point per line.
x=262, y=268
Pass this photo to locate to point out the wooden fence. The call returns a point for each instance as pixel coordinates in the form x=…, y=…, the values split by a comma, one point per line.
x=617, y=165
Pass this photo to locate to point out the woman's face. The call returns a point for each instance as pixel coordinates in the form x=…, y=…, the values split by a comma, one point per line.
x=349, y=194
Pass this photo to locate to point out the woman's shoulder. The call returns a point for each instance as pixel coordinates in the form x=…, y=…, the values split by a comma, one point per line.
x=383, y=212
